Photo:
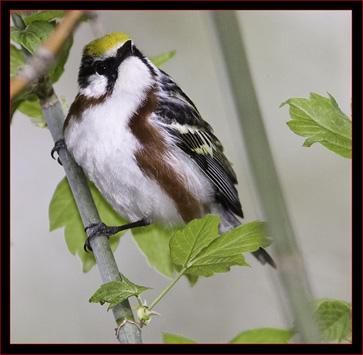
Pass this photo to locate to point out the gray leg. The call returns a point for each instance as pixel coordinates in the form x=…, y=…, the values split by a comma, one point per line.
x=98, y=229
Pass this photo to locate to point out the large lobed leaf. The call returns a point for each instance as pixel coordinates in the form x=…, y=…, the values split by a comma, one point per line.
x=196, y=235
x=321, y=120
x=200, y=250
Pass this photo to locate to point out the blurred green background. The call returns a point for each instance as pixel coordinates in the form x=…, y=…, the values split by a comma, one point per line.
x=291, y=54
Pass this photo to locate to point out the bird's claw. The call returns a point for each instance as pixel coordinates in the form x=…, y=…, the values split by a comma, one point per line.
x=87, y=246
x=96, y=230
x=59, y=144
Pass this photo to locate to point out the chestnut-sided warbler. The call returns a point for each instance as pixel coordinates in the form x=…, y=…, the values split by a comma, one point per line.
x=144, y=144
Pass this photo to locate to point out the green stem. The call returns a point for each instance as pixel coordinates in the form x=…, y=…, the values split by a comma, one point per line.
x=162, y=294
x=139, y=300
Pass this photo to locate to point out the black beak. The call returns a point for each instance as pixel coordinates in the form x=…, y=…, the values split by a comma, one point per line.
x=125, y=51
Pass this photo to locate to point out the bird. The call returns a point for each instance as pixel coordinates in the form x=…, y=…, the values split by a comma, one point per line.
x=142, y=141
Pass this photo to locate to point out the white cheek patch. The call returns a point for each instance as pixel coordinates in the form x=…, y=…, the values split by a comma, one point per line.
x=97, y=86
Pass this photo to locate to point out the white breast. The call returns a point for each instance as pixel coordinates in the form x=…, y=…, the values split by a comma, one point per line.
x=103, y=145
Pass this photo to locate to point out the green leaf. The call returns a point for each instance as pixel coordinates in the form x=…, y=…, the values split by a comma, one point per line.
x=248, y=237
x=15, y=34
x=35, y=34
x=162, y=58
x=43, y=16
x=27, y=103
x=334, y=318
x=187, y=243
x=263, y=336
x=154, y=243
x=17, y=102
x=226, y=251
x=212, y=261
x=191, y=278
x=177, y=339
x=63, y=212
x=31, y=107
x=116, y=292
x=13, y=107
x=17, y=59
x=321, y=120
x=199, y=249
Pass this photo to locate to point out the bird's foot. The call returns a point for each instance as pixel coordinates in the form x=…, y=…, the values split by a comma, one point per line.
x=59, y=144
x=97, y=229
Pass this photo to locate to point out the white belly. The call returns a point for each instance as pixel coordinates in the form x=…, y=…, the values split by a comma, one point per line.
x=104, y=148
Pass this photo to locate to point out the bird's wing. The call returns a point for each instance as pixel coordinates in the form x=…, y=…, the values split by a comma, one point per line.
x=181, y=119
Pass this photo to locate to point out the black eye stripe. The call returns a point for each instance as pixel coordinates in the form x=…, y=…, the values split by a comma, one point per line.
x=104, y=67
x=107, y=67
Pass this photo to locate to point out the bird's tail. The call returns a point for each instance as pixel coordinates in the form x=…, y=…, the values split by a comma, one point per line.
x=228, y=222
x=264, y=257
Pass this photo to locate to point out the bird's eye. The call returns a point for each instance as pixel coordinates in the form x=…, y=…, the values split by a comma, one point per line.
x=102, y=68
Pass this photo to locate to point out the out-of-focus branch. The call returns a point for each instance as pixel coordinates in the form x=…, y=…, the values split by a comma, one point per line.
x=96, y=25
x=290, y=267
x=46, y=54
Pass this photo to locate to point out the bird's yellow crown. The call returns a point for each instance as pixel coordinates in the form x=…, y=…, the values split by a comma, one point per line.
x=102, y=45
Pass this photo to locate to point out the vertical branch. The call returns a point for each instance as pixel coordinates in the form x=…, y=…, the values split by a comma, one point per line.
x=54, y=117
x=291, y=270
